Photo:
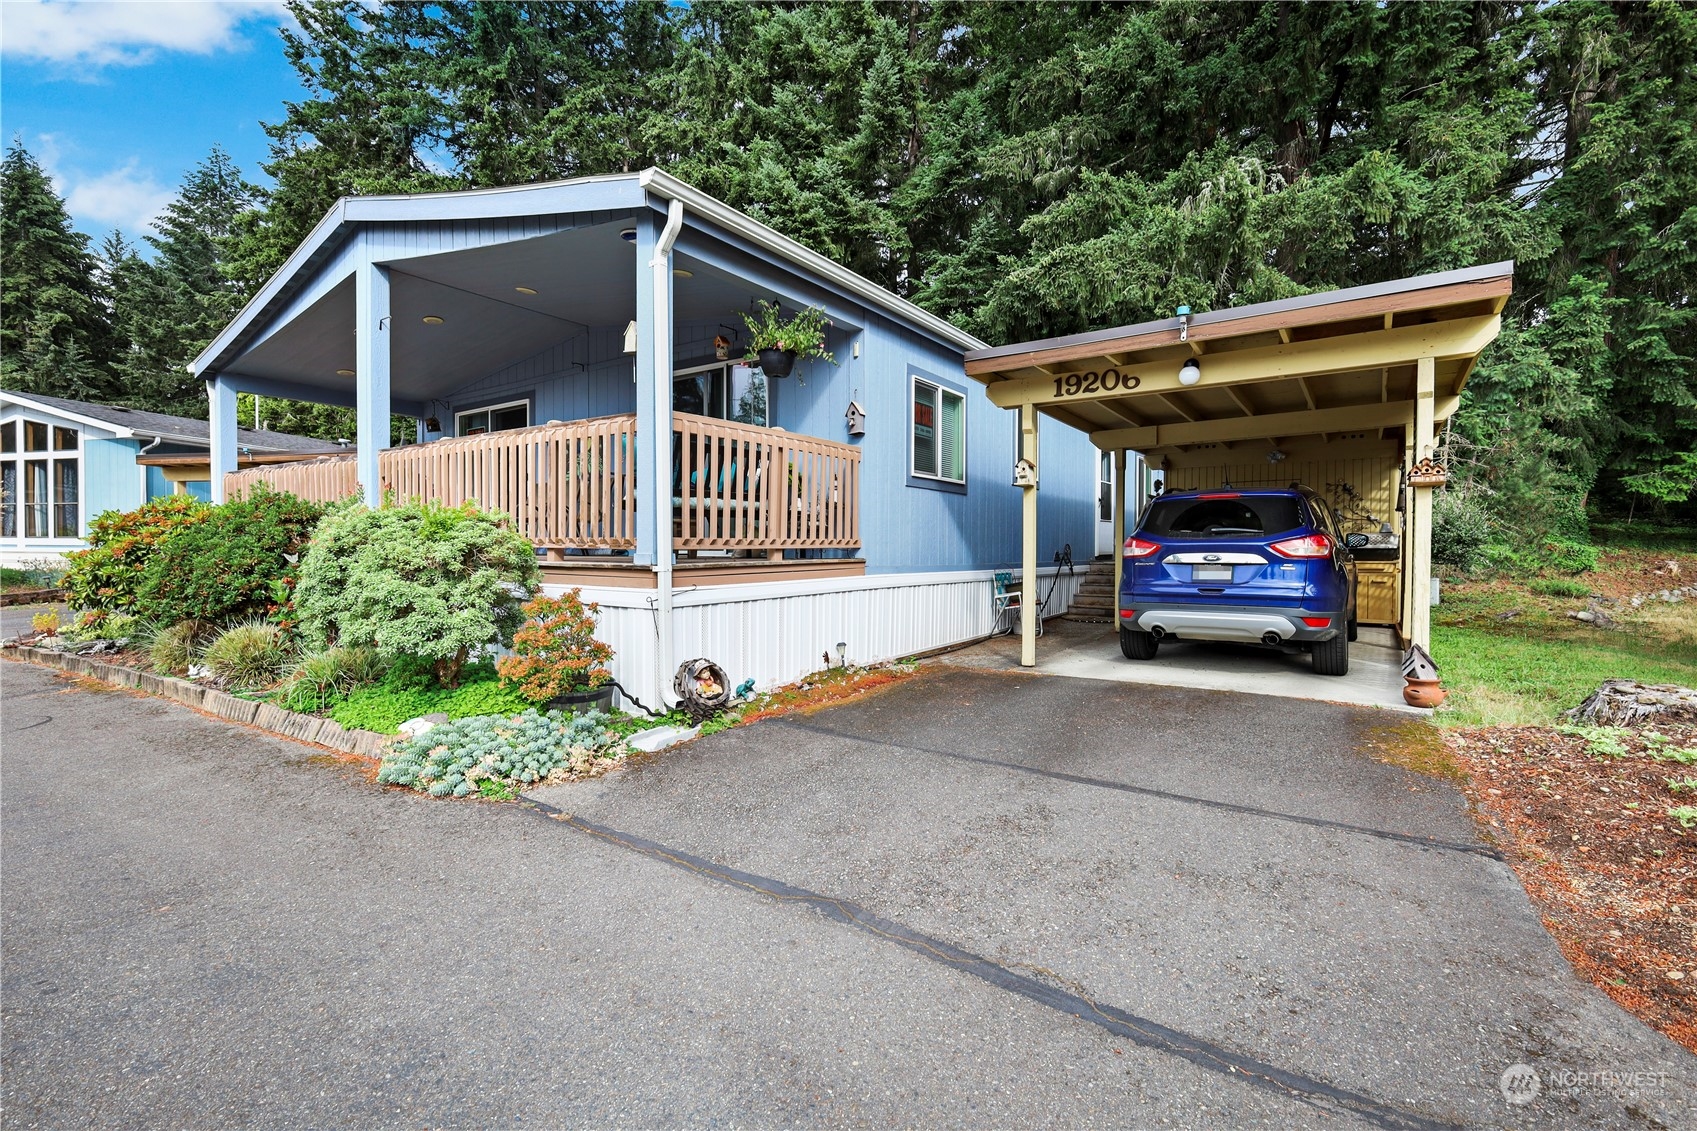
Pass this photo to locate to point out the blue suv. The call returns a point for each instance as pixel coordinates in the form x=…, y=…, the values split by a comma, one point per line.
x=1257, y=566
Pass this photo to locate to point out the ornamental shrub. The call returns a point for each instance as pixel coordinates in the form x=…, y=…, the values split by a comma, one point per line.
x=323, y=679
x=106, y=577
x=237, y=562
x=452, y=759
x=175, y=648
x=419, y=579
x=248, y=656
x=556, y=652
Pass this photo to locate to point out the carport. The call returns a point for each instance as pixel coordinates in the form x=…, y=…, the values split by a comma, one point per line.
x=1344, y=391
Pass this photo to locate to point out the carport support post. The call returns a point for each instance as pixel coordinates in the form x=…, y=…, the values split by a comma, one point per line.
x=1028, y=587
x=373, y=329
x=221, y=396
x=1119, y=527
x=1420, y=505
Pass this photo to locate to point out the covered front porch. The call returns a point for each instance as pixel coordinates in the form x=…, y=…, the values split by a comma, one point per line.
x=540, y=337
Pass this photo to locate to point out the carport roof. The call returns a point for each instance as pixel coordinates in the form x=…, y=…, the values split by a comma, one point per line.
x=1316, y=364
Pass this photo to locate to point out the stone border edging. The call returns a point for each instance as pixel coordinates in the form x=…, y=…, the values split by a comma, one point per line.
x=265, y=716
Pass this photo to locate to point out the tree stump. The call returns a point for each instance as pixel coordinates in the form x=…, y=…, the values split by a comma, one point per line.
x=1628, y=703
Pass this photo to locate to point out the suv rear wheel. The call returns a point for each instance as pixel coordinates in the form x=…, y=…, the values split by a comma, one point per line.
x=1331, y=657
x=1138, y=645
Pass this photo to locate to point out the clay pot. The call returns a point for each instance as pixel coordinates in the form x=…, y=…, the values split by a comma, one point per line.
x=1423, y=693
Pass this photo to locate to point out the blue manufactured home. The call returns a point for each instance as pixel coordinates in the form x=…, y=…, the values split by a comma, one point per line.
x=541, y=335
x=63, y=462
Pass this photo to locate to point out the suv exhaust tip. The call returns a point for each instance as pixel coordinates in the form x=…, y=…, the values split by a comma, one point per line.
x=1157, y=631
x=1270, y=637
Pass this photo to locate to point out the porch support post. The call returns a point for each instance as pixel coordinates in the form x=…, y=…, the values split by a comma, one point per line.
x=1420, y=507
x=1119, y=528
x=1028, y=611
x=651, y=433
x=221, y=398
x=373, y=331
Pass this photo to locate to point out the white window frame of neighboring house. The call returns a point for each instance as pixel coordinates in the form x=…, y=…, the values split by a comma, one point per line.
x=20, y=460
x=726, y=366
x=941, y=390
x=491, y=409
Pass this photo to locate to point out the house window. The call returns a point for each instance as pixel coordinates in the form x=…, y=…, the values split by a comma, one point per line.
x=939, y=432
x=494, y=418
x=40, y=480
x=723, y=392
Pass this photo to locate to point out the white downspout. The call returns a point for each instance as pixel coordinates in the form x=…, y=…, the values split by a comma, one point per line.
x=661, y=269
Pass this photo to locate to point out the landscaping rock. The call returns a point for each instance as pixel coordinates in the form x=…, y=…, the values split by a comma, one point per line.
x=412, y=728
x=658, y=738
x=1626, y=702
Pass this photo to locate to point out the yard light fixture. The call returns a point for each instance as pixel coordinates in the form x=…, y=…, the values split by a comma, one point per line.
x=1190, y=372
x=842, y=654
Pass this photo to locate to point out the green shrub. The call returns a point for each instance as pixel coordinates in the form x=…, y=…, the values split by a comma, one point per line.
x=237, y=562
x=1560, y=587
x=248, y=656
x=1461, y=528
x=106, y=577
x=1569, y=555
x=556, y=652
x=419, y=579
x=454, y=759
x=384, y=709
x=174, y=649
x=323, y=679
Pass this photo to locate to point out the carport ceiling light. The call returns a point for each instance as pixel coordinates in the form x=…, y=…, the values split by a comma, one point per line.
x=434, y=320
x=1190, y=372
x=681, y=273
x=344, y=373
x=627, y=234
x=525, y=290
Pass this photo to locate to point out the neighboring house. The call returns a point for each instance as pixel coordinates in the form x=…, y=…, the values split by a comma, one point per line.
x=542, y=334
x=63, y=462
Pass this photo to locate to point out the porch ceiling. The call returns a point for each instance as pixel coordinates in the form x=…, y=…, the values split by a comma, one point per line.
x=1342, y=362
x=583, y=277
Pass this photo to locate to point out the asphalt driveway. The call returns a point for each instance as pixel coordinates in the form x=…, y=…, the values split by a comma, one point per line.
x=975, y=899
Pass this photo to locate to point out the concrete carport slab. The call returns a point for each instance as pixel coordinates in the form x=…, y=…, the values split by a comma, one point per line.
x=1092, y=651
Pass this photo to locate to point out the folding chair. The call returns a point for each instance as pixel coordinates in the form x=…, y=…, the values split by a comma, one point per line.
x=1006, y=600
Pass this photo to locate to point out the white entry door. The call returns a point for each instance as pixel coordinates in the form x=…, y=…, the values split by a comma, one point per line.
x=1105, y=504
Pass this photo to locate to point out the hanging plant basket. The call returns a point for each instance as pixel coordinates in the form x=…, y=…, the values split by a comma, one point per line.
x=777, y=363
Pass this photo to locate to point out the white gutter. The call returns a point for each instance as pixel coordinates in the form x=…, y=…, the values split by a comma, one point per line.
x=660, y=268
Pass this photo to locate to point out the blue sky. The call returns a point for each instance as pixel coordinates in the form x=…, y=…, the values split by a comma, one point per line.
x=119, y=100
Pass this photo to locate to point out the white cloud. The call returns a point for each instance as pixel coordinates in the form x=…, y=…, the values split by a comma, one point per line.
x=126, y=197
x=99, y=34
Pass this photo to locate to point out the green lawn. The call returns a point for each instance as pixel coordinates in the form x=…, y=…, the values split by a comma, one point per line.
x=1503, y=677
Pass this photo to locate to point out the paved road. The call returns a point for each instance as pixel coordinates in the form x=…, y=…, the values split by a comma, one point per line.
x=973, y=900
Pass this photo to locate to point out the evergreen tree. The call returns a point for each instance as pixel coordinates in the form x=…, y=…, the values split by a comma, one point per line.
x=54, y=333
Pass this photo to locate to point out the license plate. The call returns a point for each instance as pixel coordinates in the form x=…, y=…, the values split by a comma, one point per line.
x=1211, y=573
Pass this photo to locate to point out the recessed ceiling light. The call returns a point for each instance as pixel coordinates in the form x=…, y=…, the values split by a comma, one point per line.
x=344, y=373
x=680, y=273
x=433, y=319
x=525, y=290
x=628, y=235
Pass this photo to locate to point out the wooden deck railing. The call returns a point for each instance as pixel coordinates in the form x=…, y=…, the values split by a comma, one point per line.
x=740, y=487
x=573, y=485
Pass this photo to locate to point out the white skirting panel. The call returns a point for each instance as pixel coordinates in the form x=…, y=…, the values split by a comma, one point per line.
x=777, y=632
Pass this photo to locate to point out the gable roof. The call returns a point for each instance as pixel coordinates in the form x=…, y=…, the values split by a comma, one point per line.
x=629, y=191
x=130, y=422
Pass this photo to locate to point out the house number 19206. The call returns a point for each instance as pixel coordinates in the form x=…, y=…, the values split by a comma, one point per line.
x=1083, y=384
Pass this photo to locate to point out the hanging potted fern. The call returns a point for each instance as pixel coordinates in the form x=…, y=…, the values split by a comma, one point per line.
x=775, y=343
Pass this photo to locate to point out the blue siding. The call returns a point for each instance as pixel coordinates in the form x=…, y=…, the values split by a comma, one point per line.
x=111, y=481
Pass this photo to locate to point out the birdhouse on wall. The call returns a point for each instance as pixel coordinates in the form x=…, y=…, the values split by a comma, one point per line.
x=856, y=417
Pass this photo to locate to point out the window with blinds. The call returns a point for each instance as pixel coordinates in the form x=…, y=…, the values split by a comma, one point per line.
x=939, y=432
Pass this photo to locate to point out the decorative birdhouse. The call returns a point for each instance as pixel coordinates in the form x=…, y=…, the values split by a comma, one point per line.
x=856, y=417
x=721, y=347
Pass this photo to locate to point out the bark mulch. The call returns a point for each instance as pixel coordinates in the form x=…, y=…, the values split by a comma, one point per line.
x=1583, y=819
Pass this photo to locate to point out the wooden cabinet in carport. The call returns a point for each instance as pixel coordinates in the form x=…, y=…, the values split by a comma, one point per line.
x=1377, y=592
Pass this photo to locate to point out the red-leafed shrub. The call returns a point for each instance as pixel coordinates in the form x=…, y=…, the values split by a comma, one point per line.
x=107, y=577
x=556, y=652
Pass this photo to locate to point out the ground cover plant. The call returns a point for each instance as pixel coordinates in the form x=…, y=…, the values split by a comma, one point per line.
x=495, y=756
x=415, y=579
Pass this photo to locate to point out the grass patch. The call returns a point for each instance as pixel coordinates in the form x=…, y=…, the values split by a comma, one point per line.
x=1504, y=678
x=1560, y=587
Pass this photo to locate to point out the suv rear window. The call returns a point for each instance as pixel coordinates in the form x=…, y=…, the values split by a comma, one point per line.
x=1222, y=518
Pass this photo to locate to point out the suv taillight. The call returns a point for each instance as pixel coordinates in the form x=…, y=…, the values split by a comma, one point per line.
x=1138, y=548
x=1308, y=546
